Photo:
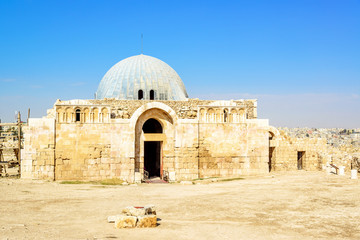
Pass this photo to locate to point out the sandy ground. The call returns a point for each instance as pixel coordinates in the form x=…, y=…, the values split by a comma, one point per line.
x=292, y=205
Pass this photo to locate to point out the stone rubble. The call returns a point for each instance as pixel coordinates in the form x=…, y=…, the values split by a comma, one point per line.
x=131, y=217
x=146, y=221
x=125, y=222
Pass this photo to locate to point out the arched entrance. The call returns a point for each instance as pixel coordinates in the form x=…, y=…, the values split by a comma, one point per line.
x=154, y=125
x=152, y=149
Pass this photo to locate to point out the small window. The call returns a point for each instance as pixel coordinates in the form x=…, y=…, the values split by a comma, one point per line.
x=77, y=115
x=140, y=94
x=152, y=94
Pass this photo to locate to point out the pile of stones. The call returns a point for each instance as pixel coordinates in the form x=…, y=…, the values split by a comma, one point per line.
x=132, y=217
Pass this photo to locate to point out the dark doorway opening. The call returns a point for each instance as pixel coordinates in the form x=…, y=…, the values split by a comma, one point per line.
x=152, y=155
x=140, y=94
x=152, y=94
x=77, y=115
x=152, y=126
x=271, y=151
x=300, y=160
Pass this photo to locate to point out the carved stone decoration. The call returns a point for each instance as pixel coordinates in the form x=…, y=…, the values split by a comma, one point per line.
x=192, y=114
x=120, y=113
x=124, y=109
x=187, y=112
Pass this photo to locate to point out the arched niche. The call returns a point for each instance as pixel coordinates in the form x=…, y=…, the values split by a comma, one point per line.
x=59, y=114
x=68, y=115
x=95, y=113
x=210, y=115
x=104, y=115
x=86, y=115
x=202, y=115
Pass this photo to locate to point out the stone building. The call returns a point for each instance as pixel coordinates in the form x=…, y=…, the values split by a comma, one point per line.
x=142, y=123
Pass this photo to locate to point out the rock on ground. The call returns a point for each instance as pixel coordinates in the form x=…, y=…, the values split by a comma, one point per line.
x=125, y=222
x=147, y=221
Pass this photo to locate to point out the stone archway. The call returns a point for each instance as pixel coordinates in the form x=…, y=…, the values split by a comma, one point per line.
x=154, y=142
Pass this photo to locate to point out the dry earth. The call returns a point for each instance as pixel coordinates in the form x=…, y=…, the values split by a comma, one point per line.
x=292, y=205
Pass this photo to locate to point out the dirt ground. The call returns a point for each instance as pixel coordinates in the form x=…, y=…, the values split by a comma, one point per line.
x=292, y=205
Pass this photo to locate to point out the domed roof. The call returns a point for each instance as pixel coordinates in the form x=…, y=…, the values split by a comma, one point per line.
x=141, y=77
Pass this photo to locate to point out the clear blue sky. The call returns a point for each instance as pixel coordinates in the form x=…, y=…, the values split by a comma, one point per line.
x=300, y=59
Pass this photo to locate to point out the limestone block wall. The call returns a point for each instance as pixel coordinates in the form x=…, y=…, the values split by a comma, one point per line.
x=285, y=154
x=186, y=150
x=39, y=149
x=229, y=150
x=94, y=151
x=94, y=140
x=220, y=150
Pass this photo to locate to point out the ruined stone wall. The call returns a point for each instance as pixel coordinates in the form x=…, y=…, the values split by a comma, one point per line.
x=337, y=157
x=285, y=154
x=39, y=149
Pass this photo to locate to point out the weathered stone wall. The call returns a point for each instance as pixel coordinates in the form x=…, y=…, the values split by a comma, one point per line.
x=285, y=154
x=92, y=142
x=94, y=151
x=186, y=150
x=220, y=149
x=39, y=149
x=337, y=157
x=229, y=150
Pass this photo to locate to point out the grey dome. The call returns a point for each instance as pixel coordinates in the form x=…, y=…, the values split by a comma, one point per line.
x=127, y=78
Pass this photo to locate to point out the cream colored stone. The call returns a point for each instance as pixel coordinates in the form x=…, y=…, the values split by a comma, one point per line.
x=146, y=221
x=172, y=176
x=125, y=221
x=354, y=173
x=112, y=219
x=137, y=177
x=133, y=211
x=150, y=210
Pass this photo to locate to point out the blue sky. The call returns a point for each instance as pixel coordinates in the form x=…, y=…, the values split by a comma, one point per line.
x=300, y=59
